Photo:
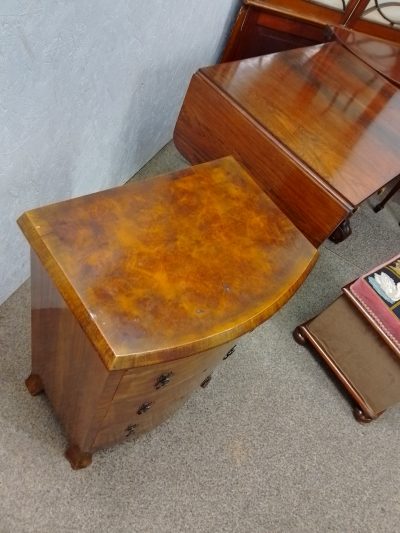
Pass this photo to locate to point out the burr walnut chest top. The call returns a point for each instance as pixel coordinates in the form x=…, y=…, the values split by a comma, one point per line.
x=177, y=264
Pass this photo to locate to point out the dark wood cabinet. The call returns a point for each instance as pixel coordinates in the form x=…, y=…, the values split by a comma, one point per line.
x=267, y=26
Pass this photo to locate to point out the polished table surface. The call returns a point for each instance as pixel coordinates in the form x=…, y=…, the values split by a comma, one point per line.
x=381, y=55
x=330, y=110
x=173, y=265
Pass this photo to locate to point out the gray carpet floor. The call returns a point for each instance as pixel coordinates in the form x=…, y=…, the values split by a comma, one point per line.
x=270, y=446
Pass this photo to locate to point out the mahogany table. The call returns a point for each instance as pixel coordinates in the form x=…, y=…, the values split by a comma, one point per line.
x=384, y=57
x=327, y=122
x=138, y=292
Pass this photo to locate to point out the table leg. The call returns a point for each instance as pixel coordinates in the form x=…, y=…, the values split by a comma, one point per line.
x=341, y=232
x=299, y=337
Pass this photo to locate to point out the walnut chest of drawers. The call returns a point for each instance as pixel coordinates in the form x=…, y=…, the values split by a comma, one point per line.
x=139, y=292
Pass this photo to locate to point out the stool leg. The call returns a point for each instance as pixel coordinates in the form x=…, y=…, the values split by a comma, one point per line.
x=77, y=458
x=34, y=384
x=361, y=417
x=299, y=337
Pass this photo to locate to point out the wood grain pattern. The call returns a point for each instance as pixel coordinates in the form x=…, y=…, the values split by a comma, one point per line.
x=95, y=406
x=137, y=387
x=138, y=291
x=337, y=115
x=175, y=265
x=263, y=32
x=144, y=380
x=337, y=121
x=210, y=125
x=299, y=10
x=75, y=380
x=383, y=56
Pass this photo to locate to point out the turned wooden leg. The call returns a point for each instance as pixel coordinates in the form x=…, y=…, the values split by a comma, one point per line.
x=34, y=384
x=361, y=417
x=299, y=337
x=341, y=232
x=77, y=458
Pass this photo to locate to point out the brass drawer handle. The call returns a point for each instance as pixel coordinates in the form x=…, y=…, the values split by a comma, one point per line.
x=163, y=380
x=230, y=352
x=144, y=407
x=130, y=430
x=206, y=382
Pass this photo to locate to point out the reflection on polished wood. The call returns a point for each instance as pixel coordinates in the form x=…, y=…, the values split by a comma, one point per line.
x=138, y=293
x=383, y=56
x=329, y=124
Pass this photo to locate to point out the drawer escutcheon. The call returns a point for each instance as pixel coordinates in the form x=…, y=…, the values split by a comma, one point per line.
x=144, y=407
x=205, y=383
x=163, y=380
x=130, y=430
x=230, y=352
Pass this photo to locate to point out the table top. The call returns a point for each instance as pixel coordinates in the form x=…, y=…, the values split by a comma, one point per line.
x=383, y=56
x=335, y=114
x=177, y=264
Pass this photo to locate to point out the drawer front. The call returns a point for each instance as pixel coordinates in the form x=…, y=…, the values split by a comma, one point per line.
x=164, y=376
x=124, y=421
x=147, y=396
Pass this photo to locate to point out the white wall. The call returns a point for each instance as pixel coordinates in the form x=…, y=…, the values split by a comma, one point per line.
x=89, y=92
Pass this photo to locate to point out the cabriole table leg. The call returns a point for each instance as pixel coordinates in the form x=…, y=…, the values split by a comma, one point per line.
x=341, y=232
